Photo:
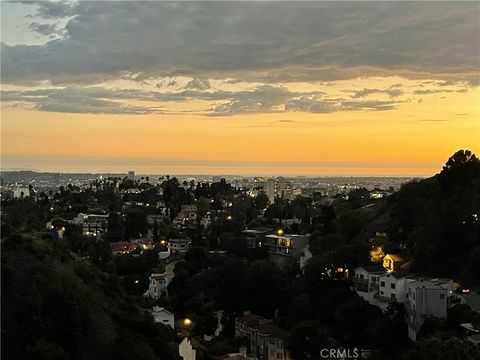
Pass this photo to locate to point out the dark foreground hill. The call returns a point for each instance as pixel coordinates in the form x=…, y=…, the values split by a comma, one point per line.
x=54, y=306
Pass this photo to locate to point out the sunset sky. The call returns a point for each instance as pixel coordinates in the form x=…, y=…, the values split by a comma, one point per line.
x=314, y=88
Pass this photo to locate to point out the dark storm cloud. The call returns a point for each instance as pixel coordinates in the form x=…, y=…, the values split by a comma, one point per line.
x=271, y=41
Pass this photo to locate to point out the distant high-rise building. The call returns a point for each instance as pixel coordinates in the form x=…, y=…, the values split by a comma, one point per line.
x=131, y=175
x=270, y=190
x=280, y=186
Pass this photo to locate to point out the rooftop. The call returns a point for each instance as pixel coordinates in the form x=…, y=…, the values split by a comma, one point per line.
x=373, y=268
x=179, y=240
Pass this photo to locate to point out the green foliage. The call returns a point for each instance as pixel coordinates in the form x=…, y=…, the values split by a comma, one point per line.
x=307, y=338
x=448, y=349
x=435, y=218
x=43, y=350
x=56, y=308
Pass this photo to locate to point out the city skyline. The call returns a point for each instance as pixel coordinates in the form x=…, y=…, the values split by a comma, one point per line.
x=315, y=89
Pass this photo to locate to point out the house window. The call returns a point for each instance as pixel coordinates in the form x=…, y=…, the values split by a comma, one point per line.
x=382, y=283
x=374, y=279
x=392, y=296
x=442, y=296
x=381, y=292
x=392, y=286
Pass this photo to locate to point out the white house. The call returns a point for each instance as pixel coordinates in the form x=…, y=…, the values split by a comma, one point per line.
x=163, y=316
x=393, y=287
x=366, y=281
x=422, y=297
x=158, y=285
x=186, y=350
x=426, y=298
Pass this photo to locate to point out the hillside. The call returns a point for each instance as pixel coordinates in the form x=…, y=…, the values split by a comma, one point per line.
x=435, y=221
x=54, y=306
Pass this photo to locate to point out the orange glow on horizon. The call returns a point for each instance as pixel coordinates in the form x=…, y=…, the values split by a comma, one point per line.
x=414, y=139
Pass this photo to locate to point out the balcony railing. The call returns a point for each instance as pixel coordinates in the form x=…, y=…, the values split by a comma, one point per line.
x=361, y=284
x=387, y=299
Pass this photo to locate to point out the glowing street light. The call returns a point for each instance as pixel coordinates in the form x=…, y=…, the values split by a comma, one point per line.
x=229, y=218
x=187, y=322
x=280, y=232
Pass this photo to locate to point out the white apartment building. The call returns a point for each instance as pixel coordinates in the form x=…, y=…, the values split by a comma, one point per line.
x=426, y=298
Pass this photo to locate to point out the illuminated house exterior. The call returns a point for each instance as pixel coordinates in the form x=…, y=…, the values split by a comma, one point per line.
x=91, y=223
x=393, y=262
x=282, y=248
x=178, y=246
x=265, y=339
x=122, y=248
x=187, y=215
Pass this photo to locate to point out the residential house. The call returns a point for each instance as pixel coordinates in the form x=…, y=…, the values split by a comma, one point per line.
x=144, y=243
x=241, y=355
x=283, y=248
x=256, y=236
x=92, y=224
x=187, y=215
x=178, y=246
x=393, y=287
x=158, y=285
x=122, y=248
x=366, y=282
x=187, y=350
x=163, y=316
x=266, y=340
x=427, y=298
x=422, y=297
x=152, y=219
